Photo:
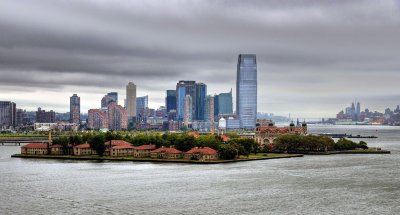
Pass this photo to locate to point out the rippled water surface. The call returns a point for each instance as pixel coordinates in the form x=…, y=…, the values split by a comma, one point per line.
x=334, y=184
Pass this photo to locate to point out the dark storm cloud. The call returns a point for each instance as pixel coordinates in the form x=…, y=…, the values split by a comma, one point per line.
x=345, y=49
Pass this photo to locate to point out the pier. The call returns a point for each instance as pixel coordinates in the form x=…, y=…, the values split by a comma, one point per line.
x=19, y=142
x=346, y=135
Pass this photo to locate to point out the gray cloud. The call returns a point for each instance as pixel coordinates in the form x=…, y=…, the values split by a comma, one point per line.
x=313, y=56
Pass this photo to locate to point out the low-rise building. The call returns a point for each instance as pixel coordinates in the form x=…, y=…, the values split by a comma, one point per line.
x=122, y=150
x=56, y=149
x=83, y=149
x=35, y=149
x=112, y=143
x=166, y=153
x=143, y=151
x=267, y=134
x=201, y=153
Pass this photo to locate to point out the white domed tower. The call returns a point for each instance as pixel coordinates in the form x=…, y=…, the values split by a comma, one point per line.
x=222, y=125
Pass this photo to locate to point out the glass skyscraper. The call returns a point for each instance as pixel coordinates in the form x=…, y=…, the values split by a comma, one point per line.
x=200, y=103
x=170, y=100
x=141, y=104
x=246, y=91
x=225, y=105
x=184, y=88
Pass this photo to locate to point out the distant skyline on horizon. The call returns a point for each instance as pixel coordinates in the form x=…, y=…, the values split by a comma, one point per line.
x=314, y=57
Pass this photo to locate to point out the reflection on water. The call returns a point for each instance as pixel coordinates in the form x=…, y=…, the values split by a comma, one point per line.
x=335, y=184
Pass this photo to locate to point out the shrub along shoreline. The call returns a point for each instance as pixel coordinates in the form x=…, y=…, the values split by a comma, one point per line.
x=133, y=159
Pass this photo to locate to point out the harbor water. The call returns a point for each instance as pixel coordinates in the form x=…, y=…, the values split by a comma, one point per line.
x=331, y=184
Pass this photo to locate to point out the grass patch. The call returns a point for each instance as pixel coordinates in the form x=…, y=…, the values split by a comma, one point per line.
x=265, y=155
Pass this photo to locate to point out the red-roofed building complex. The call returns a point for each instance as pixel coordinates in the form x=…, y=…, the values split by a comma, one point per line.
x=83, y=149
x=56, y=149
x=110, y=144
x=266, y=134
x=202, y=153
x=35, y=149
x=122, y=150
x=166, y=153
x=143, y=151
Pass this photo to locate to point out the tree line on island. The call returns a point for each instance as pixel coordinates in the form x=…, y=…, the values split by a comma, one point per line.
x=233, y=148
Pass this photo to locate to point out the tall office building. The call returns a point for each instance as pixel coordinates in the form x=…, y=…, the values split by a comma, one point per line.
x=131, y=100
x=225, y=104
x=117, y=117
x=184, y=88
x=358, y=111
x=105, y=101
x=8, y=115
x=209, y=112
x=45, y=117
x=75, y=109
x=114, y=96
x=187, y=110
x=108, y=98
x=200, y=103
x=216, y=105
x=97, y=119
x=21, y=114
x=246, y=91
x=170, y=100
x=142, y=103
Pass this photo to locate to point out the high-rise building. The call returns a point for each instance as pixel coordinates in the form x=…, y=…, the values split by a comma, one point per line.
x=210, y=116
x=97, y=119
x=358, y=111
x=188, y=110
x=141, y=104
x=225, y=104
x=8, y=114
x=184, y=88
x=114, y=96
x=246, y=91
x=21, y=114
x=75, y=109
x=117, y=117
x=131, y=100
x=45, y=117
x=107, y=99
x=170, y=100
x=216, y=105
x=200, y=103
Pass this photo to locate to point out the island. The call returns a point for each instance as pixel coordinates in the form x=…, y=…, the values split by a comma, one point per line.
x=187, y=147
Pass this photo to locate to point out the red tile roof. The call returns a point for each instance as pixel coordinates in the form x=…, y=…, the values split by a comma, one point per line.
x=35, y=146
x=123, y=147
x=282, y=130
x=116, y=143
x=56, y=146
x=166, y=150
x=82, y=146
x=202, y=150
x=194, y=134
x=146, y=147
x=225, y=138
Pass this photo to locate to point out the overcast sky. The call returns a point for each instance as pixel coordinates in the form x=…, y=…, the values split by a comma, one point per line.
x=314, y=57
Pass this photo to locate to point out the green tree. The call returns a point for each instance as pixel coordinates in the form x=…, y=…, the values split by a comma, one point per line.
x=97, y=143
x=75, y=139
x=345, y=144
x=362, y=145
x=184, y=142
x=228, y=152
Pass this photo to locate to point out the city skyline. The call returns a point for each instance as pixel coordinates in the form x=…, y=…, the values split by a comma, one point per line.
x=312, y=59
